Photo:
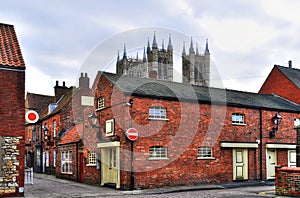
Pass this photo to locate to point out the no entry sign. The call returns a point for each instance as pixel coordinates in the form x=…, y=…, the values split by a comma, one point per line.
x=31, y=116
x=132, y=134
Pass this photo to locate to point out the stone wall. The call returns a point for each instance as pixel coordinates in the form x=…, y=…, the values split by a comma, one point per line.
x=287, y=181
x=9, y=163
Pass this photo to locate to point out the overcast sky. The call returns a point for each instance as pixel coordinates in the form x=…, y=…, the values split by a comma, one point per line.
x=246, y=37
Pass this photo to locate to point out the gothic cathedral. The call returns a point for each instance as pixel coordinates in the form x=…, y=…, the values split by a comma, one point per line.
x=158, y=63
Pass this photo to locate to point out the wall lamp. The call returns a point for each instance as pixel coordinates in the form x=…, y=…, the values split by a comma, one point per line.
x=130, y=103
x=46, y=132
x=276, y=120
x=94, y=122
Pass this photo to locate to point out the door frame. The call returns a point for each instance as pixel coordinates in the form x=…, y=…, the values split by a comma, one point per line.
x=103, y=150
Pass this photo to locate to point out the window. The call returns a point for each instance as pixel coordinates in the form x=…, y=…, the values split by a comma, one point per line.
x=66, y=162
x=204, y=152
x=54, y=158
x=158, y=113
x=54, y=128
x=158, y=152
x=92, y=159
x=238, y=118
x=109, y=127
x=47, y=158
x=100, y=104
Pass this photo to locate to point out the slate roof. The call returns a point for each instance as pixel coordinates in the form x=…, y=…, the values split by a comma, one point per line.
x=71, y=135
x=291, y=73
x=180, y=91
x=10, y=52
x=37, y=101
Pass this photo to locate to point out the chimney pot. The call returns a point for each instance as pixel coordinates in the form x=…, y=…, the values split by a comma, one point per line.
x=85, y=74
x=57, y=83
x=290, y=64
x=81, y=74
x=64, y=83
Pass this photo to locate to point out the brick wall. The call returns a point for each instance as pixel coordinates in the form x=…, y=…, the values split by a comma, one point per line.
x=12, y=113
x=287, y=181
x=278, y=83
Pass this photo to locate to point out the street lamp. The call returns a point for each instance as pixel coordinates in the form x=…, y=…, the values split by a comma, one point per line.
x=94, y=122
x=276, y=120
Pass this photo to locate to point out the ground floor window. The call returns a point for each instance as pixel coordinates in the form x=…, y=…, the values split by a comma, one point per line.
x=66, y=162
x=158, y=152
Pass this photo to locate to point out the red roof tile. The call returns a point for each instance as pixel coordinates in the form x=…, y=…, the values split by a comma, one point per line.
x=10, y=52
x=72, y=135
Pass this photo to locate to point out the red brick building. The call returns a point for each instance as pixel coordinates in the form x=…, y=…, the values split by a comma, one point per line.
x=283, y=81
x=60, y=129
x=189, y=134
x=12, y=113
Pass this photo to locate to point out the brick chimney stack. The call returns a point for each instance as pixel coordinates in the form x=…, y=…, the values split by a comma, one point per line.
x=59, y=91
x=84, y=82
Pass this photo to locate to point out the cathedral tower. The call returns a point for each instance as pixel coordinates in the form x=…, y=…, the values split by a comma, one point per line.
x=195, y=66
x=156, y=63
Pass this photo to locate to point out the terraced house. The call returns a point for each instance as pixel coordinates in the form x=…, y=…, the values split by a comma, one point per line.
x=189, y=134
x=12, y=113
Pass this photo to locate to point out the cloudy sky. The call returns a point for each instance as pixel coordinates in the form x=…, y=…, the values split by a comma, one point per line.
x=246, y=38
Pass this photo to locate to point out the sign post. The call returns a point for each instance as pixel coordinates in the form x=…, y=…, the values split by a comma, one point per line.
x=132, y=135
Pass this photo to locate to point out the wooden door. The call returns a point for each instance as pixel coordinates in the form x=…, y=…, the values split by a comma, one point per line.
x=240, y=164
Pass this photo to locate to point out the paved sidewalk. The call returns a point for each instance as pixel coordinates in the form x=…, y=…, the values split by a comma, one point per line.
x=50, y=186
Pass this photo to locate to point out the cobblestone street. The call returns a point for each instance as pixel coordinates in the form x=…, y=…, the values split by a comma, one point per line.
x=50, y=186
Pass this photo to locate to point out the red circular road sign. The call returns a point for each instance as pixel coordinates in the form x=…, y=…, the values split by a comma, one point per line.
x=132, y=134
x=31, y=116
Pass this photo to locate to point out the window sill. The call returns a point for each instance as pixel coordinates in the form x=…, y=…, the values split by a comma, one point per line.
x=91, y=165
x=236, y=124
x=163, y=158
x=66, y=173
x=206, y=158
x=159, y=119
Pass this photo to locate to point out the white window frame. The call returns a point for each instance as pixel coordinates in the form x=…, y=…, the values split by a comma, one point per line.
x=157, y=113
x=47, y=158
x=110, y=127
x=100, y=103
x=205, y=152
x=92, y=158
x=54, y=158
x=158, y=153
x=54, y=128
x=66, y=162
x=238, y=119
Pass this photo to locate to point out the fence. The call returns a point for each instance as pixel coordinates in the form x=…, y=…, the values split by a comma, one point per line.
x=28, y=178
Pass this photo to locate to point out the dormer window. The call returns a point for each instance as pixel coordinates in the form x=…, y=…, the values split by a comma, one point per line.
x=157, y=113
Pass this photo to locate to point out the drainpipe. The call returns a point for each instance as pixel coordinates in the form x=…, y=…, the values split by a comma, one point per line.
x=260, y=145
x=77, y=172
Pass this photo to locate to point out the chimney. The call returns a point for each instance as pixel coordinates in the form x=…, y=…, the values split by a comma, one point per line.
x=59, y=91
x=84, y=81
x=290, y=64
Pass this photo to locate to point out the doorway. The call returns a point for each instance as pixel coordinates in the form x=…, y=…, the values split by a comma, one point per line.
x=240, y=164
x=271, y=163
x=110, y=166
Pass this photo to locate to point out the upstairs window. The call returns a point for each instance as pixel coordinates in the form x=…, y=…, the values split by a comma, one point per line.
x=238, y=119
x=204, y=152
x=100, y=103
x=54, y=128
x=158, y=152
x=157, y=113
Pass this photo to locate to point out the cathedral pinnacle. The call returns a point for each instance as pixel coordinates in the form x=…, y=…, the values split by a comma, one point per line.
x=154, y=44
x=170, y=47
x=192, y=46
